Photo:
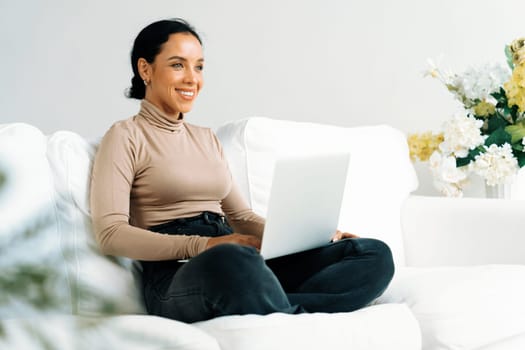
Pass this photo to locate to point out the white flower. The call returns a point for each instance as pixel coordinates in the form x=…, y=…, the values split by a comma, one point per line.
x=445, y=167
x=497, y=165
x=448, y=179
x=461, y=134
x=435, y=70
x=449, y=189
x=477, y=83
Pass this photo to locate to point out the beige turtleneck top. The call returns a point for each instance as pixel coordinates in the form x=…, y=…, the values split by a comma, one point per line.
x=149, y=170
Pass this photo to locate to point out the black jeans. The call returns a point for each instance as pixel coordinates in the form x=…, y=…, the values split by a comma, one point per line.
x=232, y=279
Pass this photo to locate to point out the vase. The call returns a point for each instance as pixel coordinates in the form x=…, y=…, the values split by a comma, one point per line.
x=501, y=191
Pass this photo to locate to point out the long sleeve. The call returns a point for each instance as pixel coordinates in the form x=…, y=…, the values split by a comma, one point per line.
x=240, y=216
x=114, y=170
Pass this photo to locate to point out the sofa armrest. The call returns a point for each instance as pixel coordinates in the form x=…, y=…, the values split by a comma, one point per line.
x=439, y=231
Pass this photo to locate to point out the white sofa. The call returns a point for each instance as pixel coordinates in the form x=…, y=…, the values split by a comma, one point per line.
x=459, y=281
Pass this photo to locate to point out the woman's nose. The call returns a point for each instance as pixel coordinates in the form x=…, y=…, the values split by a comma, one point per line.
x=190, y=76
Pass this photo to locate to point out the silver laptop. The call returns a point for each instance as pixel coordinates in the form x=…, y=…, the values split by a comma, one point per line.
x=305, y=203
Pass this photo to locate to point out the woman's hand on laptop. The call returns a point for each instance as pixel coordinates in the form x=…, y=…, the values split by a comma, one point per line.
x=235, y=238
x=341, y=235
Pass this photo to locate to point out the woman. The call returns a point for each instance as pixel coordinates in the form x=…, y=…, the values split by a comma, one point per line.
x=161, y=192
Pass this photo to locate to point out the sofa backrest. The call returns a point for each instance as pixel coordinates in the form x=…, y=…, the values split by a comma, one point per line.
x=380, y=178
x=54, y=171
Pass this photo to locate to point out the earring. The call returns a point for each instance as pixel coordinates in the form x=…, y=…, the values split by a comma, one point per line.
x=145, y=82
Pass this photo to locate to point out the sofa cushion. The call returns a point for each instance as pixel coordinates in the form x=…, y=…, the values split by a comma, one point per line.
x=105, y=284
x=45, y=234
x=130, y=332
x=380, y=176
x=367, y=329
x=33, y=266
x=464, y=307
x=27, y=181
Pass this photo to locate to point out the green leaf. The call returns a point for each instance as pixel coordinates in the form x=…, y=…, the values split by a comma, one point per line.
x=474, y=152
x=514, y=113
x=462, y=161
x=521, y=159
x=503, y=105
x=498, y=137
x=494, y=123
x=469, y=158
x=508, y=54
x=516, y=131
x=501, y=97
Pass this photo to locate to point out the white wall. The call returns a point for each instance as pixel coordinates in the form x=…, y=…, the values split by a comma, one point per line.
x=65, y=65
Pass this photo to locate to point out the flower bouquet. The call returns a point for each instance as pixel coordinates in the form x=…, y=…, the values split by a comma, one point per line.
x=487, y=136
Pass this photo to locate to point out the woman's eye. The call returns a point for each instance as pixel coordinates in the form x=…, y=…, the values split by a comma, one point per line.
x=199, y=68
x=177, y=65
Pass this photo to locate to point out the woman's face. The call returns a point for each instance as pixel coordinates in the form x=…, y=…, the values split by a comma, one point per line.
x=174, y=79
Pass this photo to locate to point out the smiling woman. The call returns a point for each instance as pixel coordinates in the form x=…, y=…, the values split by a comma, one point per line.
x=162, y=193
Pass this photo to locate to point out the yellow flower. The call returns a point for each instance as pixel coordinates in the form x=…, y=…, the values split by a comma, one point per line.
x=421, y=146
x=517, y=48
x=515, y=88
x=484, y=109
